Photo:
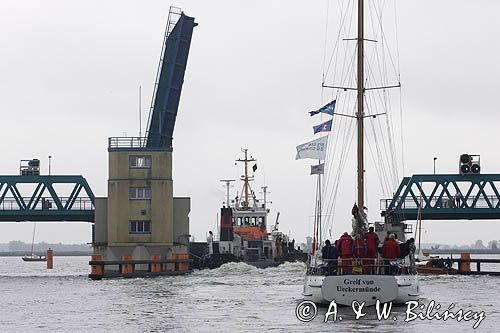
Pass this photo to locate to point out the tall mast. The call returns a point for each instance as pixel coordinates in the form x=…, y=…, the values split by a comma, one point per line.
x=33, y=240
x=245, y=178
x=360, y=102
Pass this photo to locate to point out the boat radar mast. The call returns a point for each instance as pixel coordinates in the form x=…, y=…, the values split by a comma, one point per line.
x=247, y=191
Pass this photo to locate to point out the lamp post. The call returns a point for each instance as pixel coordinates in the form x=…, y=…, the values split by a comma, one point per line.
x=50, y=158
x=435, y=158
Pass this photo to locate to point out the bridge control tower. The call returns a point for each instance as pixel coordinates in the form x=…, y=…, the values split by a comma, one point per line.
x=140, y=218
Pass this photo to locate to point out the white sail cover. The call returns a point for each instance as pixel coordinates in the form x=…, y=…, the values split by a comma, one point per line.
x=315, y=149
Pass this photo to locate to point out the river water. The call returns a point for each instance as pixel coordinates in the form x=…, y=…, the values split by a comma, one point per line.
x=233, y=298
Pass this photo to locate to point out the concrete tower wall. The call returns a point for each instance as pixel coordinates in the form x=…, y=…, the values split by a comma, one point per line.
x=122, y=209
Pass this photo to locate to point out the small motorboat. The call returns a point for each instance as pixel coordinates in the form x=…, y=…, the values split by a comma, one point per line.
x=436, y=266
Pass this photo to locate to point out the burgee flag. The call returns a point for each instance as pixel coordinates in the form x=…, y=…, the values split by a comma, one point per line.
x=328, y=109
x=324, y=127
x=318, y=169
x=315, y=149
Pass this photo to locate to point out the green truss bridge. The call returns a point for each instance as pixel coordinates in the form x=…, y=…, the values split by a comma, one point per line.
x=444, y=197
x=38, y=198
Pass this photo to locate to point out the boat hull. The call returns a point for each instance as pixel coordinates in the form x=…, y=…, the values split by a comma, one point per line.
x=345, y=289
x=33, y=259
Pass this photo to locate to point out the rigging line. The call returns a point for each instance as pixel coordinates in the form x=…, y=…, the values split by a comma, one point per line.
x=390, y=126
x=378, y=145
x=341, y=121
x=392, y=142
x=341, y=28
x=343, y=135
x=378, y=163
x=347, y=73
x=384, y=37
x=324, y=49
x=369, y=101
x=375, y=162
x=349, y=132
x=326, y=38
x=397, y=34
x=331, y=211
x=383, y=171
x=343, y=17
x=370, y=73
x=382, y=148
x=379, y=154
x=346, y=70
x=401, y=131
x=344, y=126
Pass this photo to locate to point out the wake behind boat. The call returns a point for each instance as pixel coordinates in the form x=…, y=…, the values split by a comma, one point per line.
x=355, y=270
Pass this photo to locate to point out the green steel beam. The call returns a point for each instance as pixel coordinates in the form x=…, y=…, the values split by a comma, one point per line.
x=440, y=204
x=15, y=207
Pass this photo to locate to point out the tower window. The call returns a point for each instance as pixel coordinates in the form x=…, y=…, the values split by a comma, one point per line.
x=140, y=193
x=140, y=227
x=140, y=162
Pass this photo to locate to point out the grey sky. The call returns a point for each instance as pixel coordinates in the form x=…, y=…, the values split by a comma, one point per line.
x=71, y=69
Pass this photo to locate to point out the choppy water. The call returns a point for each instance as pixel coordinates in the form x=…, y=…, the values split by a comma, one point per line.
x=233, y=298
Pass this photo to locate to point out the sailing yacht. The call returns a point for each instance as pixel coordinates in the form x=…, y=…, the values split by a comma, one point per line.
x=33, y=256
x=351, y=280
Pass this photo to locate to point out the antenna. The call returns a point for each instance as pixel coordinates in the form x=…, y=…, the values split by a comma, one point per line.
x=228, y=184
x=140, y=111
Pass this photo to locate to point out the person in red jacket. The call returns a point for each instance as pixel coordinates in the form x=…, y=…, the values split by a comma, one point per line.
x=371, y=242
x=391, y=252
x=345, y=246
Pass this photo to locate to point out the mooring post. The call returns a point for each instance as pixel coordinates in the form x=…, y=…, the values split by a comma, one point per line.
x=50, y=258
x=464, y=266
x=97, y=271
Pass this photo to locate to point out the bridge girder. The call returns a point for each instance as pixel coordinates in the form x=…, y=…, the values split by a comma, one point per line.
x=444, y=197
x=16, y=206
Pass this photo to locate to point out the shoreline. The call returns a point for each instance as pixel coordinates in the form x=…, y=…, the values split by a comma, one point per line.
x=56, y=254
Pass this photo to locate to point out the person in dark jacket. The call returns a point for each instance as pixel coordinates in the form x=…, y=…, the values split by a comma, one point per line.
x=330, y=253
x=391, y=252
x=326, y=249
x=404, y=249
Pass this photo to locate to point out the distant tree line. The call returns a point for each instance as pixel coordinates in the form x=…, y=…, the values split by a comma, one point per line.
x=477, y=245
x=20, y=246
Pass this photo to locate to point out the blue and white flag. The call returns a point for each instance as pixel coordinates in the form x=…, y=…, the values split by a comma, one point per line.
x=315, y=149
x=328, y=109
x=324, y=127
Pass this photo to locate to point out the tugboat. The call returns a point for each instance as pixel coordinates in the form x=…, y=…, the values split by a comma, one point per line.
x=244, y=235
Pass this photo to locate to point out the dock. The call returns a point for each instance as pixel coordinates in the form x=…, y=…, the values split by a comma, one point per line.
x=465, y=263
x=127, y=268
